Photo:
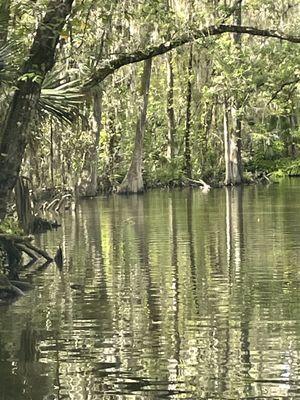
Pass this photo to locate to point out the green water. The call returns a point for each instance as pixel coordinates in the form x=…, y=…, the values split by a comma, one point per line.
x=181, y=295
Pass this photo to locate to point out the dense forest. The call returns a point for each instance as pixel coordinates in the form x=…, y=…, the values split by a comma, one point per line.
x=120, y=96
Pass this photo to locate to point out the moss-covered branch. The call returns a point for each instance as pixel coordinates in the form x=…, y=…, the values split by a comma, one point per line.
x=108, y=67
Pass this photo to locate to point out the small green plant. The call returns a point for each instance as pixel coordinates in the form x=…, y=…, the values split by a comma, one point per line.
x=10, y=226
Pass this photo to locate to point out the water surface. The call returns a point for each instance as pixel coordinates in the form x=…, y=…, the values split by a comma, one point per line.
x=169, y=295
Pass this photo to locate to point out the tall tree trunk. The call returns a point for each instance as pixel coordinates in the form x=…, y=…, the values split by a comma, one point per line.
x=170, y=107
x=232, y=176
x=187, y=134
x=233, y=140
x=237, y=118
x=4, y=20
x=51, y=154
x=13, y=135
x=133, y=181
x=23, y=205
x=96, y=130
x=234, y=153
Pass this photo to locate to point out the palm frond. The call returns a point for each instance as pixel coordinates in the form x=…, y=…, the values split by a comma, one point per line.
x=61, y=100
x=8, y=54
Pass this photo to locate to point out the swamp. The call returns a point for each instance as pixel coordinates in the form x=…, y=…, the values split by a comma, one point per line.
x=149, y=199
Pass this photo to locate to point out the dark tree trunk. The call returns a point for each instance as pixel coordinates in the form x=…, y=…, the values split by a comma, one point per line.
x=133, y=181
x=187, y=134
x=13, y=136
x=23, y=205
x=232, y=171
x=237, y=118
x=92, y=188
x=233, y=136
x=233, y=140
x=170, y=107
x=4, y=20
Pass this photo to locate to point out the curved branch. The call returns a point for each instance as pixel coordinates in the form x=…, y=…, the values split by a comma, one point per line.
x=281, y=87
x=108, y=67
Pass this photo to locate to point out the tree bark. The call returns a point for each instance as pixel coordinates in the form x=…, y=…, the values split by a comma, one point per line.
x=133, y=181
x=187, y=134
x=13, y=135
x=92, y=189
x=4, y=16
x=23, y=205
x=233, y=139
x=237, y=122
x=232, y=177
x=170, y=108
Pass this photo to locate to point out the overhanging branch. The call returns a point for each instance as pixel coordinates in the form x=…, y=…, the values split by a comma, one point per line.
x=282, y=86
x=108, y=67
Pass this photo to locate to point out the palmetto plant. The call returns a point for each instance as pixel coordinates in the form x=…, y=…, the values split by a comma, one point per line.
x=60, y=100
x=8, y=69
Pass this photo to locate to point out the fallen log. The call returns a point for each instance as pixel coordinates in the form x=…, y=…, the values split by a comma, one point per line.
x=41, y=252
x=23, y=244
x=27, y=251
x=199, y=182
x=52, y=204
x=61, y=201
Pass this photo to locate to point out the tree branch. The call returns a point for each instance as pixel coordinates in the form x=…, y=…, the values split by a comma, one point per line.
x=108, y=67
x=282, y=86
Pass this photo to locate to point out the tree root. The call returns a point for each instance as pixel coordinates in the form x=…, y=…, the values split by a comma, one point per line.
x=14, y=245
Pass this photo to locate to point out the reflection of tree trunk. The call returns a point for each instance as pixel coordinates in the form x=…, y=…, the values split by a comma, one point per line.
x=175, y=282
x=152, y=291
x=188, y=121
x=153, y=294
x=133, y=181
x=96, y=269
x=234, y=228
x=235, y=245
x=245, y=347
x=189, y=205
x=51, y=153
x=28, y=343
x=170, y=107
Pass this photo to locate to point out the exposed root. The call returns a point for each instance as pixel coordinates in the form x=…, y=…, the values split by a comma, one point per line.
x=14, y=245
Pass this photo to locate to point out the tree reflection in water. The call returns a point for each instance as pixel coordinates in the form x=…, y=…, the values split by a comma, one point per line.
x=168, y=295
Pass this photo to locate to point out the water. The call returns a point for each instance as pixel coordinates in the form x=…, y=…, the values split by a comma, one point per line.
x=178, y=295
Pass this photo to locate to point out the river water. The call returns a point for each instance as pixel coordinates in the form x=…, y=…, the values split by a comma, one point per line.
x=169, y=295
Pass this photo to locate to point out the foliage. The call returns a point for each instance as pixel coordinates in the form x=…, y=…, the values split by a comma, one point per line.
x=259, y=80
x=10, y=226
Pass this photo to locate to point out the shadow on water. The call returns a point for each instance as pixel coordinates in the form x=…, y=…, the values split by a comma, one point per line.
x=178, y=295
